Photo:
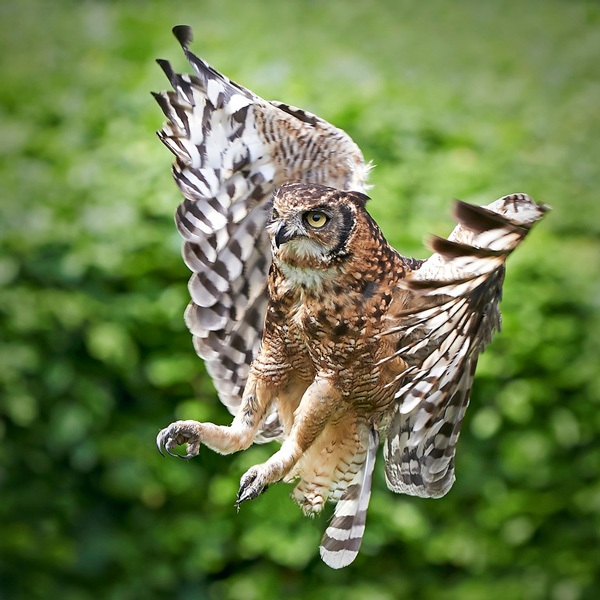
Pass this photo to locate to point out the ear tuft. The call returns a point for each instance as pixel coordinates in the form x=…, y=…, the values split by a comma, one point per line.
x=359, y=198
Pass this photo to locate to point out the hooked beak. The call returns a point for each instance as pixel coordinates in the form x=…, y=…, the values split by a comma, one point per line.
x=282, y=235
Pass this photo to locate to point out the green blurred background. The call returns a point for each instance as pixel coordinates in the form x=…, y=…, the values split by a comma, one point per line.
x=465, y=99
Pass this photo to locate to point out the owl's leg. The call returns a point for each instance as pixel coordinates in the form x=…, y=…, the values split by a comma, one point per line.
x=310, y=418
x=329, y=464
x=258, y=396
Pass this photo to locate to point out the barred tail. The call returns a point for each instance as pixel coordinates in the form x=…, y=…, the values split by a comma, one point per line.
x=342, y=539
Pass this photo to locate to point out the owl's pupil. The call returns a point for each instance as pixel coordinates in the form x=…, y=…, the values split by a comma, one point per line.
x=316, y=218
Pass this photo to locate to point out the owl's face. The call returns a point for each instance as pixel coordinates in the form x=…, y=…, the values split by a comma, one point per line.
x=313, y=225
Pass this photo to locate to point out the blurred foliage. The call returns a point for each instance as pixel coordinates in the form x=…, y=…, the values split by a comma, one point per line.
x=462, y=99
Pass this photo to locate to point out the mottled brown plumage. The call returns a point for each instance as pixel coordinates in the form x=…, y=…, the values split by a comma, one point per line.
x=324, y=317
x=316, y=332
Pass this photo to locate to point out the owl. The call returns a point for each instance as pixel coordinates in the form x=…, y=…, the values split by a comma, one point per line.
x=316, y=332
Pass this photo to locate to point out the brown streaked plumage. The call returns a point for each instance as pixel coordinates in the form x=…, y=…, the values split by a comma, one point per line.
x=316, y=332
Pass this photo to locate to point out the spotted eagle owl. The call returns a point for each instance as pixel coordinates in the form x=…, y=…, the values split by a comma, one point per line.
x=315, y=331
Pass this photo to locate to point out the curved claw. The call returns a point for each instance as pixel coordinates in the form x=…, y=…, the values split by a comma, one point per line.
x=163, y=439
x=180, y=432
x=159, y=443
x=252, y=485
x=169, y=451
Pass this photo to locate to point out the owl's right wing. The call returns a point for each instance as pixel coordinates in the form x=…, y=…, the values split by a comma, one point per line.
x=447, y=313
x=231, y=150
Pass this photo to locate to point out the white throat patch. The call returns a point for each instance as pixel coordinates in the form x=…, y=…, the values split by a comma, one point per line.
x=303, y=247
x=307, y=277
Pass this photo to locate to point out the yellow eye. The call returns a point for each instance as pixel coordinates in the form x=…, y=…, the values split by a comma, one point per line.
x=316, y=219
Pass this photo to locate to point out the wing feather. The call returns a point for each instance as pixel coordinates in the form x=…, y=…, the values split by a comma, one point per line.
x=231, y=150
x=452, y=314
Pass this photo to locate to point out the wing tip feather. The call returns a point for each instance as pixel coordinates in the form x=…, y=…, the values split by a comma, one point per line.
x=184, y=35
x=450, y=249
x=167, y=69
x=478, y=218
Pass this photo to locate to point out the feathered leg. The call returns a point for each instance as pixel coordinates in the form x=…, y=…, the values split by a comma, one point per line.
x=258, y=397
x=310, y=418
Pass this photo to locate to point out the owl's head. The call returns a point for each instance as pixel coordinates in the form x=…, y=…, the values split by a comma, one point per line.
x=313, y=225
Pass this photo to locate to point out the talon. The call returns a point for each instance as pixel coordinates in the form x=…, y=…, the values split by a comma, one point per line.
x=251, y=486
x=159, y=443
x=243, y=493
x=180, y=432
x=169, y=450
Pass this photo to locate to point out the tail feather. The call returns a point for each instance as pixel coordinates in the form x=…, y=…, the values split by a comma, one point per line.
x=343, y=537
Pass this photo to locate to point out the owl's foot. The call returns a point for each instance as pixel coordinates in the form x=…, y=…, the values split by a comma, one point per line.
x=180, y=432
x=253, y=483
x=311, y=503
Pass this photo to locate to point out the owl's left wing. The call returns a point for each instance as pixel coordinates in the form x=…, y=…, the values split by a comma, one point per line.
x=232, y=148
x=447, y=313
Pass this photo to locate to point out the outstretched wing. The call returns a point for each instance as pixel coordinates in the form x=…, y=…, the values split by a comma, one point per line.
x=231, y=149
x=450, y=316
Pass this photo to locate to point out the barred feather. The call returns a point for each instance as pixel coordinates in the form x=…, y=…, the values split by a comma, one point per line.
x=452, y=317
x=343, y=537
x=231, y=149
